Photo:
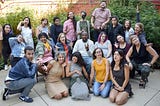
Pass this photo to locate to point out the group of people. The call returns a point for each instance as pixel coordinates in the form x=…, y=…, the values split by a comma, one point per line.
x=105, y=64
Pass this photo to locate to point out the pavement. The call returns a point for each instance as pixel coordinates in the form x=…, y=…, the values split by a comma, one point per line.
x=150, y=96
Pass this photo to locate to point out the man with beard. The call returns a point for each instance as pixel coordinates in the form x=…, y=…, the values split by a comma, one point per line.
x=85, y=46
x=100, y=17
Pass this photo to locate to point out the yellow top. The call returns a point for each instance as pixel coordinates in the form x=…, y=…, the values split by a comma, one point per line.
x=100, y=70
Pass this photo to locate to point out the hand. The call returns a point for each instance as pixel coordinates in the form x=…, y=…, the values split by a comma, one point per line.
x=116, y=45
x=71, y=44
x=101, y=87
x=93, y=26
x=130, y=66
x=39, y=60
x=87, y=47
x=119, y=88
x=103, y=25
x=64, y=64
x=78, y=72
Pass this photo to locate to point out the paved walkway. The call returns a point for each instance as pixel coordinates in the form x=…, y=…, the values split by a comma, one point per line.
x=150, y=96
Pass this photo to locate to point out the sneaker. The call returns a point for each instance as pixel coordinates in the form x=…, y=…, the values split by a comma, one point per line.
x=6, y=67
x=5, y=94
x=26, y=99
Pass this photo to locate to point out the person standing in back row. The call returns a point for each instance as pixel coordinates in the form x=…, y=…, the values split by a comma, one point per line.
x=100, y=17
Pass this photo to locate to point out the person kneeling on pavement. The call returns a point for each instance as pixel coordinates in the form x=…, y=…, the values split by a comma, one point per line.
x=21, y=77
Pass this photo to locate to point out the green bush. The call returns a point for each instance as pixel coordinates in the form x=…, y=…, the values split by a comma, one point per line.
x=149, y=16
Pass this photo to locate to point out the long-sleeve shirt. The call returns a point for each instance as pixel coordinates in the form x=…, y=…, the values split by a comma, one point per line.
x=16, y=47
x=23, y=69
x=55, y=30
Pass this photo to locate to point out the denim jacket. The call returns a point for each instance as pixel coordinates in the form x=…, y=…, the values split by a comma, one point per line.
x=16, y=47
x=23, y=69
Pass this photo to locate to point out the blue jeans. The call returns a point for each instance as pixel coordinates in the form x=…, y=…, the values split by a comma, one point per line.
x=22, y=86
x=88, y=60
x=105, y=92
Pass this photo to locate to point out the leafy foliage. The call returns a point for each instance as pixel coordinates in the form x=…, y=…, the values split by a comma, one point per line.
x=149, y=16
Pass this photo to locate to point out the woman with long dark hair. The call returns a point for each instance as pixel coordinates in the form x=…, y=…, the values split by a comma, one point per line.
x=69, y=27
x=76, y=70
x=6, y=50
x=119, y=72
x=26, y=31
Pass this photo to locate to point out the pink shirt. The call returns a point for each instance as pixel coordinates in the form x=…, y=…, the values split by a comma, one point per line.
x=101, y=16
x=69, y=28
x=47, y=56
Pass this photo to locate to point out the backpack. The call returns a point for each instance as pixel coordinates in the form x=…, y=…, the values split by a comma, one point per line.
x=79, y=90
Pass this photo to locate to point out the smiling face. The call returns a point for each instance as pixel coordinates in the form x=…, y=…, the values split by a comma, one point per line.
x=135, y=40
x=98, y=53
x=7, y=29
x=61, y=59
x=43, y=39
x=74, y=59
x=117, y=56
x=62, y=38
x=103, y=5
x=120, y=38
x=103, y=37
x=70, y=15
x=44, y=22
x=127, y=24
x=26, y=21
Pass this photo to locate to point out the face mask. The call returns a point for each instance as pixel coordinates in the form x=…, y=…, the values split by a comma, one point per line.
x=83, y=16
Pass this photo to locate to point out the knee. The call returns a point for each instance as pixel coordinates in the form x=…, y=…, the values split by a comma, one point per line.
x=96, y=93
x=119, y=102
x=33, y=81
x=104, y=95
x=58, y=96
x=112, y=99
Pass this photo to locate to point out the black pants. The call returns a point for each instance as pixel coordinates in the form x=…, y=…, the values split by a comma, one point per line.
x=14, y=60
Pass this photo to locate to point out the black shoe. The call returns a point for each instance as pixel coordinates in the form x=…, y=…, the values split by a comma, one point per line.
x=131, y=94
x=142, y=84
x=5, y=94
x=26, y=99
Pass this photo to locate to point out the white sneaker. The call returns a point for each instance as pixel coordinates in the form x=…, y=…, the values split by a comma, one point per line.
x=6, y=67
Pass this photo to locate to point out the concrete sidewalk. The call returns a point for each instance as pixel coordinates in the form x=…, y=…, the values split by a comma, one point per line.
x=150, y=96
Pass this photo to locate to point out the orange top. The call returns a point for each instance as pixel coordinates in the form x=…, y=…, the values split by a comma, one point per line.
x=100, y=70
